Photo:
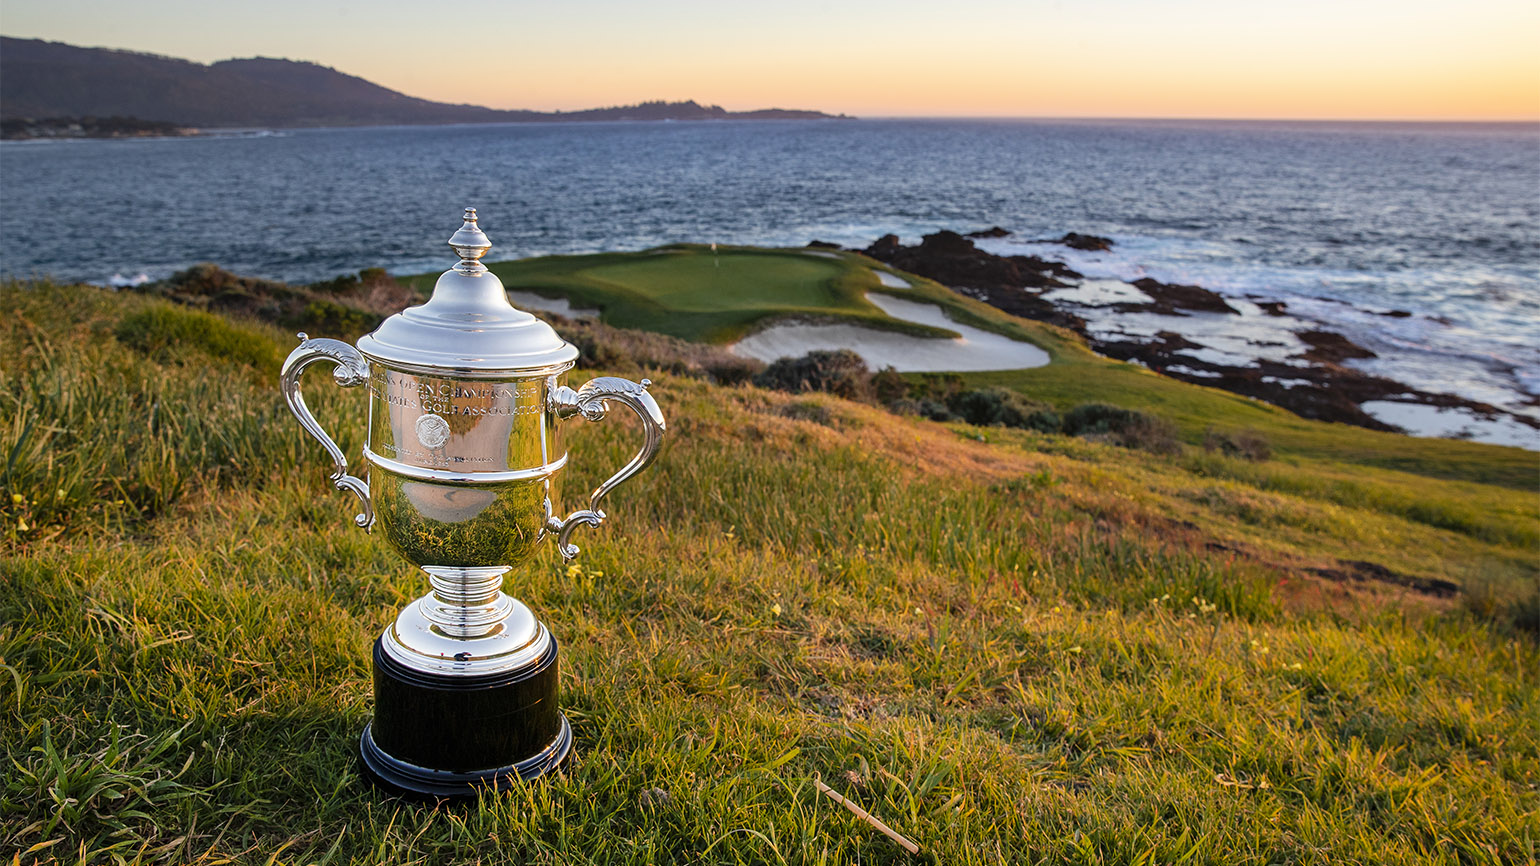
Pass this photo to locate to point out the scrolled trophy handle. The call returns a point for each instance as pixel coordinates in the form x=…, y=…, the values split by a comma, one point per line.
x=592, y=401
x=351, y=369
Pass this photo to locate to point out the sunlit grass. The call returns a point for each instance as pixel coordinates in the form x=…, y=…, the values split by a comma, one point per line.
x=1028, y=649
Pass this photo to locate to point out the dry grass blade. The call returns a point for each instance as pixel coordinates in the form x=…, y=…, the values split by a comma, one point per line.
x=869, y=818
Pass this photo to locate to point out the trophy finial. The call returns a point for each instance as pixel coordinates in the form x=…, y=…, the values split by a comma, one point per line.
x=470, y=244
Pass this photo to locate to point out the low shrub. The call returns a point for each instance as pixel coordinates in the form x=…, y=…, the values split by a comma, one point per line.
x=807, y=410
x=1125, y=427
x=328, y=317
x=889, y=386
x=350, y=282
x=1090, y=419
x=997, y=407
x=594, y=350
x=1248, y=444
x=940, y=387
x=1149, y=433
x=1042, y=421
x=840, y=372
x=167, y=333
x=934, y=411
x=731, y=370
x=345, y=307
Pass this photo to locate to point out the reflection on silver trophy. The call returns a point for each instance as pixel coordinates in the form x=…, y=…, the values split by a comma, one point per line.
x=465, y=415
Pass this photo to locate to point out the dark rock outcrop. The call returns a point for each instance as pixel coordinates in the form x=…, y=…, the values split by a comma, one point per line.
x=1329, y=347
x=995, y=232
x=1010, y=283
x=951, y=259
x=1172, y=298
x=822, y=245
x=1090, y=243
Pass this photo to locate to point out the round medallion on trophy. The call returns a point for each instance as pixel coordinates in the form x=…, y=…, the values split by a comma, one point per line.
x=432, y=431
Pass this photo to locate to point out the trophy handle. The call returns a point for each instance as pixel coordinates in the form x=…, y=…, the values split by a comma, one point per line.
x=351, y=369
x=592, y=401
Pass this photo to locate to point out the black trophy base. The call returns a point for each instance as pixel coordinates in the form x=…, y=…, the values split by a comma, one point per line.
x=441, y=736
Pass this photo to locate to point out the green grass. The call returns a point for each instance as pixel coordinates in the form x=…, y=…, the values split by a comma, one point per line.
x=1026, y=649
x=691, y=291
x=688, y=291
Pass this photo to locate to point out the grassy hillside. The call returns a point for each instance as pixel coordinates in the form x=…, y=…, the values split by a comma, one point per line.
x=1011, y=647
x=716, y=296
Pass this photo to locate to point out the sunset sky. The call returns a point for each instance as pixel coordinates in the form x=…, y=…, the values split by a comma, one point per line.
x=1372, y=59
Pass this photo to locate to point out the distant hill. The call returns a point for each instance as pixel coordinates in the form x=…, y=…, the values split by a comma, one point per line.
x=41, y=79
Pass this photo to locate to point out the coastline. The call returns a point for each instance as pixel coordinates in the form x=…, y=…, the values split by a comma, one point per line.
x=1252, y=345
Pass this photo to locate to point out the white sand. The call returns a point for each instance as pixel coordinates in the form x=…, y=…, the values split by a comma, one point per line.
x=892, y=281
x=1420, y=420
x=559, y=306
x=974, y=350
x=824, y=254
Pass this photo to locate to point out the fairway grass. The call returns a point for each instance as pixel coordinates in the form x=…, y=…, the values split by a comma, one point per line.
x=1010, y=647
x=700, y=293
x=691, y=291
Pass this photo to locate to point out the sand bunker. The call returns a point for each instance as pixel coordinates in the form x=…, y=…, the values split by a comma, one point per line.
x=559, y=306
x=892, y=281
x=975, y=350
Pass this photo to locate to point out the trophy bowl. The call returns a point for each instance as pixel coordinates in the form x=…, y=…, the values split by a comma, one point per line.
x=467, y=401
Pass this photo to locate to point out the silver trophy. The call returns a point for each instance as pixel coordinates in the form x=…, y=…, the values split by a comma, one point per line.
x=466, y=404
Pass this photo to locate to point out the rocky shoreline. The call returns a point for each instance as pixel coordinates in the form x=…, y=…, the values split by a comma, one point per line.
x=1242, y=345
x=30, y=128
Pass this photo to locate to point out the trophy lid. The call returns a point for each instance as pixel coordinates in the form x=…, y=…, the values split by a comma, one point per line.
x=468, y=324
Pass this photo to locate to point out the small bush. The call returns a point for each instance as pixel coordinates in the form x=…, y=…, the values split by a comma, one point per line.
x=807, y=410
x=336, y=285
x=1096, y=418
x=167, y=333
x=1253, y=445
x=595, y=351
x=349, y=282
x=940, y=387
x=1124, y=427
x=1248, y=444
x=329, y=317
x=840, y=372
x=732, y=370
x=1149, y=433
x=890, y=385
x=995, y=407
x=1042, y=421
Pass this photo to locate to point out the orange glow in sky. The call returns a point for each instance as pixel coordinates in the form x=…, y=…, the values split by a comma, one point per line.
x=1369, y=59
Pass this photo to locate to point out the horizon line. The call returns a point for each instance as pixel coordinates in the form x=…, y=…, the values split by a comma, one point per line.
x=1201, y=118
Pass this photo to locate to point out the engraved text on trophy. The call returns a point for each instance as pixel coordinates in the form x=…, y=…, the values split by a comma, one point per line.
x=460, y=424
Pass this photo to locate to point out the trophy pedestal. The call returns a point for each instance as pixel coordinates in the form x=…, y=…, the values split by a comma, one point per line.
x=440, y=735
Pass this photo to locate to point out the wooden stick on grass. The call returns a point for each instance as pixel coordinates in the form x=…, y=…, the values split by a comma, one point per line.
x=868, y=817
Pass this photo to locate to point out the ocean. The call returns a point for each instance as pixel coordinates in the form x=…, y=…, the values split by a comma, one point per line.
x=1345, y=222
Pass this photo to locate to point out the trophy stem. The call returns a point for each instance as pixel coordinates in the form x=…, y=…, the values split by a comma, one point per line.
x=467, y=602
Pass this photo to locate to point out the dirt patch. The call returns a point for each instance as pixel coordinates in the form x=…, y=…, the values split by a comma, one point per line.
x=1359, y=571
